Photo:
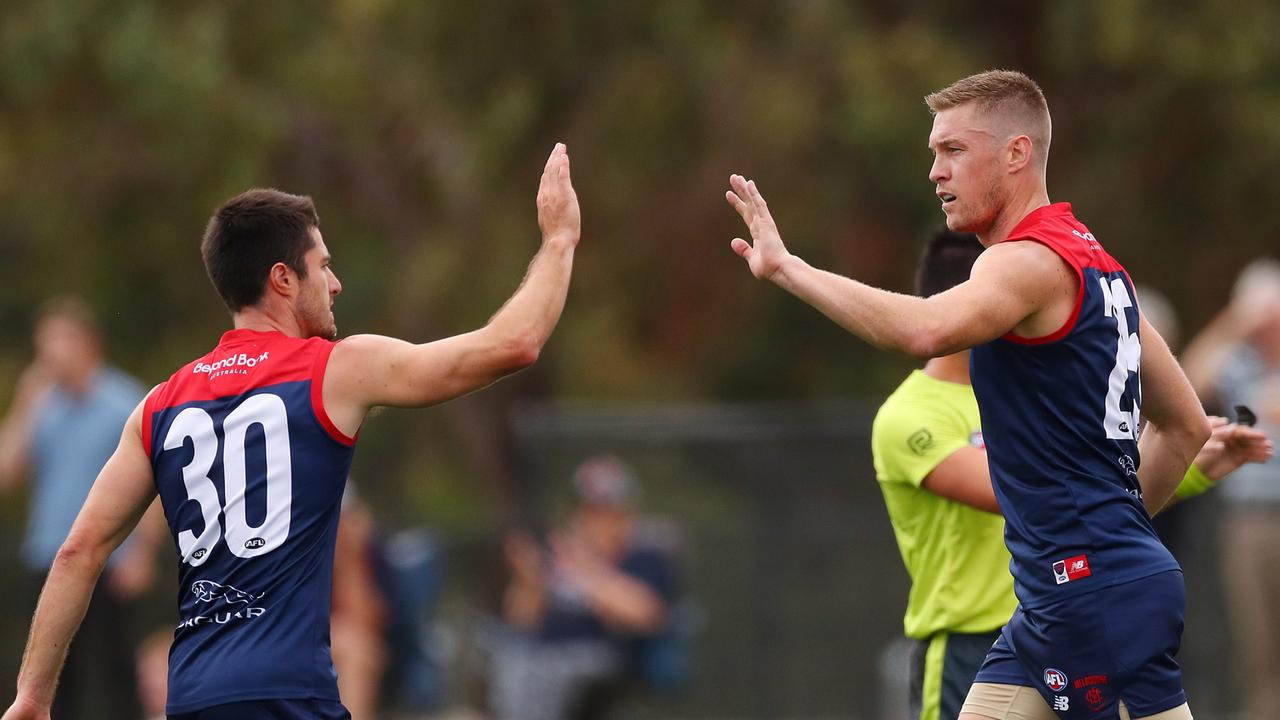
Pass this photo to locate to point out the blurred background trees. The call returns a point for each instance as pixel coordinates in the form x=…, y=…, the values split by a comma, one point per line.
x=420, y=129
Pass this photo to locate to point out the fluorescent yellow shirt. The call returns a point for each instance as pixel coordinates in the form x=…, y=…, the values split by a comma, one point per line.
x=954, y=553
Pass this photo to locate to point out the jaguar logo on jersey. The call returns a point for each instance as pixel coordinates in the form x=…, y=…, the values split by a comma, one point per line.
x=208, y=591
x=1055, y=679
x=1073, y=568
x=975, y=440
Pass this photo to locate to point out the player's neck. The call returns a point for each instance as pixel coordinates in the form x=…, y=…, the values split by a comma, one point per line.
x=267, y=319
x=952, y=368
x=1022, y=204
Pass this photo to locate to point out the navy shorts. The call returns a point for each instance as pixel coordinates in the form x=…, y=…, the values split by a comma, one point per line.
x=1085, y=653
x=270, y=710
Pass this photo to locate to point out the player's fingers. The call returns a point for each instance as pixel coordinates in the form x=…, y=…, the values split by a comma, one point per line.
x=1216, y=421
x=741, y=247
x=754, y=192
x=739, y=185
x=553, y=158
x=744, y=210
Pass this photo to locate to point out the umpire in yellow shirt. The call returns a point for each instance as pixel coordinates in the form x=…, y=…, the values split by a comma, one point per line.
x=931, y=465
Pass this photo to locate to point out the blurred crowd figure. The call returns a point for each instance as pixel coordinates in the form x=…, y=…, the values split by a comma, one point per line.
x=66, y=416
x=386, y=589
x=1235, y=360
x=592, y=612
x=358, y=618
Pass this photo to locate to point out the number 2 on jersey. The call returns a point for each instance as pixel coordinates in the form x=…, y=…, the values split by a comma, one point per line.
x=243, y=540
x=1121, y=424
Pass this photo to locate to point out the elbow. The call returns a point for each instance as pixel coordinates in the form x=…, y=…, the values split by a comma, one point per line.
x=520, y=352
x=927, y=343
x=77, y=552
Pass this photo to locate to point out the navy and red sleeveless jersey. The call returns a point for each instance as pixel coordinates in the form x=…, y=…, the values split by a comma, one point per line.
x=250, y=472
x=1060, y=417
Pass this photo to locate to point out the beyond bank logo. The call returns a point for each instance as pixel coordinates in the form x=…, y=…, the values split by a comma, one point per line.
x=238, y=364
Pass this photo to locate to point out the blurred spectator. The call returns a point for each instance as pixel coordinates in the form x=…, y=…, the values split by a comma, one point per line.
x=66, y=417
x=385, y=592
x=1235, y=360
x=358, y=620
x=590, y=612
x=153, y=673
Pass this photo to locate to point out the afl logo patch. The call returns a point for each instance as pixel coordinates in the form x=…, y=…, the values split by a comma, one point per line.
x=1055, y=679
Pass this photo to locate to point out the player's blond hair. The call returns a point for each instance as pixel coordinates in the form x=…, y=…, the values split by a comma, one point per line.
x=1008, y=94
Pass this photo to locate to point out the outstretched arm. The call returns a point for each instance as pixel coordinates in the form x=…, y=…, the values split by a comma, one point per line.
x=1010, y=283
x=1176, y=427
x=119, y=497
x=370, y=370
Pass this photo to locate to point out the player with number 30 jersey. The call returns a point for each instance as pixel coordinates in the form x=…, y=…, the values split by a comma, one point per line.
x=250, y=471
x=248, y=449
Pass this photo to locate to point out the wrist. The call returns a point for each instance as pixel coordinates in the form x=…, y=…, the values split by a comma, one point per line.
x=27, y=701
x=1194, y=483
x=560, y=242
x=788, y=269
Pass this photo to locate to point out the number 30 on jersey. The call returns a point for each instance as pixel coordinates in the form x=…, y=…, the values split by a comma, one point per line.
x=243, y=540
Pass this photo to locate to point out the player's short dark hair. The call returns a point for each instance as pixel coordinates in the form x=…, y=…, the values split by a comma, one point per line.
x=946, y=261
x=249, y=234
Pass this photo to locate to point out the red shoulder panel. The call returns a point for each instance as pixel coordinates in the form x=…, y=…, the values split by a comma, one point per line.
x=1055, y=227
x=245, y=360
x=319, y=365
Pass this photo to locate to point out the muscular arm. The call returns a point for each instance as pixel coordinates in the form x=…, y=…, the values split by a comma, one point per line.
x=1177, y=427
x=370, y=370
x=1013, y=286
x=119, y=497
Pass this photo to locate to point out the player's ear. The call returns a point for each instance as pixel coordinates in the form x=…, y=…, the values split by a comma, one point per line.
x=1019, y=150
x=281, y=280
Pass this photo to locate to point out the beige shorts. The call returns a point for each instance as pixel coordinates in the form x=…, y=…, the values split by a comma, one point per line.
x=1017, y=702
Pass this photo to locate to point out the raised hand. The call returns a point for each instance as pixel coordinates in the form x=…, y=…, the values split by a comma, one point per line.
x=558, y=213
x=766, y=253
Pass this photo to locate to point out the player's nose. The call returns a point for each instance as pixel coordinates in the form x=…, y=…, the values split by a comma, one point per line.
x=937, y=171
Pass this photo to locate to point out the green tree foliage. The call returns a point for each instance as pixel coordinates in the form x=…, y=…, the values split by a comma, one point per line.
x=420, y=127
